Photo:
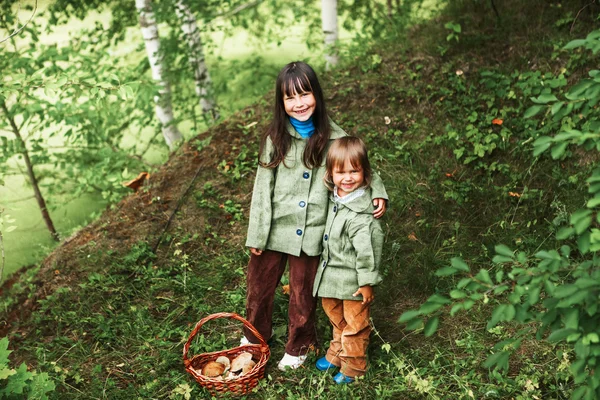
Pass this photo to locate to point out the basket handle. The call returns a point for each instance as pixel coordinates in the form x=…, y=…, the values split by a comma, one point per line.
x=204, y=320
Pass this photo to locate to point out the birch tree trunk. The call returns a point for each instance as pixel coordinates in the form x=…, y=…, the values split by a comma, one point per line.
x=189, y=26
x=164, y=110
x=330, y=30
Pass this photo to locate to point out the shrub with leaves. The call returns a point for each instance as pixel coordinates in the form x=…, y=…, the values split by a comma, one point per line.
x=552, y=294
x=19, y=382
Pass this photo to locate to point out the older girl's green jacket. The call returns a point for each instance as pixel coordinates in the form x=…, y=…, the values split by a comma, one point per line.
x=289, y=203
x=352, y=246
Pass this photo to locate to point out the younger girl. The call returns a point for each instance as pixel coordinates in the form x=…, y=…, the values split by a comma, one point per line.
x=289, y=209
x=349, y=264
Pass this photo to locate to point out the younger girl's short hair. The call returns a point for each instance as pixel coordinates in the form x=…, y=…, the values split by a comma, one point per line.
x=347, y=148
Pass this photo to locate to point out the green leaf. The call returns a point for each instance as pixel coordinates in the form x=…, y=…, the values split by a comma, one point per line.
x=579, y=393
x=574, y=44
x=456, y=308
x=582, y=224
x=509, y=313
x=497, y=315
x=430, y=307
x=559, y=150
x=544, y=99
x=431, y=326
x=408, y=315
x=414, y=324
x=561, y=334
x=584, y=283
x=503, y=250
x=40, y=385
x=501, y=259
x=576, y=298
x=499, y=276
x=583, y=243
x=533, y=295
x=565, y=290
x=541, y=144
x=446, y=271
x=571, y=318
x=459, y=264
x=497, y=360
x=6, y=372
x=533, y=111
x=4, y=352
x=565, y=233
x=16, y=383
x=548, y=255
x=458, y=294
x=556, y=107
x=484, y=276
x=436, y=298
x=593, y=202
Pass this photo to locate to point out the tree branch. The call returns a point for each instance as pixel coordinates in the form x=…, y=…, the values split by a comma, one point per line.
x=23, y=27
x=579, y=12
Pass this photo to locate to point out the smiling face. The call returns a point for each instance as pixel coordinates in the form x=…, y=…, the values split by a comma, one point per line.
x=299, y=105
x=347, y=178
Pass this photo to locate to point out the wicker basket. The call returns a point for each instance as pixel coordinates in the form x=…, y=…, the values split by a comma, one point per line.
x=241, y=385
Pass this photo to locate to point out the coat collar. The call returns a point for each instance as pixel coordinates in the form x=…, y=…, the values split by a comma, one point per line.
x=336, y=131
x=359, y=205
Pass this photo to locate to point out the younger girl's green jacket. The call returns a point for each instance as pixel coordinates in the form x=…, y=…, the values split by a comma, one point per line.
x=352, y=246
x=289, y=202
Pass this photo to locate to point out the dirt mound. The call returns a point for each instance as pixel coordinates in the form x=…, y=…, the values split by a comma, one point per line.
x=163, y=204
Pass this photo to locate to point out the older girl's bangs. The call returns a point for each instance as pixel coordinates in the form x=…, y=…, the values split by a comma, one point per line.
x=296, y=84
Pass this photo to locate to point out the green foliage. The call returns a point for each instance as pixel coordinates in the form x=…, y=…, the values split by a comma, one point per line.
x=19, y=382
x=550, y=293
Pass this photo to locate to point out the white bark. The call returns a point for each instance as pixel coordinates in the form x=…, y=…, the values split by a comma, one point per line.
x=164, y=110
x=330, y=30
x=189, y=26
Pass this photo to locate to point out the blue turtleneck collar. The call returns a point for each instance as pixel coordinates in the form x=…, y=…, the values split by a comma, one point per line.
x=304, y=128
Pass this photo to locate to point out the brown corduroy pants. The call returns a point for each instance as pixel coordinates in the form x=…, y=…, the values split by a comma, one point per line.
x=264, y=275
x=351, y=329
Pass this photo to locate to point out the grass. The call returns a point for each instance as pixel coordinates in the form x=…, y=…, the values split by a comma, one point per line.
x=112, y=322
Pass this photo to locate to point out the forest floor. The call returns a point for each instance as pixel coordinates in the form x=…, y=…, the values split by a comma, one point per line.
x=106, y=315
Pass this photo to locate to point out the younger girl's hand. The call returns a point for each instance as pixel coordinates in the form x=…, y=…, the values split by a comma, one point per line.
x=380, y=207
x=256, y=252
x=367, y=294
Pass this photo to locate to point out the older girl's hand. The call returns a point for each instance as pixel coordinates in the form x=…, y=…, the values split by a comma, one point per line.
x=367, y=294
x=380, y=207
x=256, y=252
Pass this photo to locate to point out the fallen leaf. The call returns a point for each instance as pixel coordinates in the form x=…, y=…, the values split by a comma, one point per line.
x=459, y=72
x=412, y=237
x=497, y=121
x=56, y=272
x=286, y=289
x=513, y=194
x=417, y=214
x=387, y=120
x=137, y=182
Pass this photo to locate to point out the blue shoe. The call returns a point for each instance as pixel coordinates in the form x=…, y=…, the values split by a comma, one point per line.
x=323, y=365
x=340, y=378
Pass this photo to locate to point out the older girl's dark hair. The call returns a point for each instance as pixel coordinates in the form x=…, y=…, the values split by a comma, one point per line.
x=297, y=77
x=347, y=148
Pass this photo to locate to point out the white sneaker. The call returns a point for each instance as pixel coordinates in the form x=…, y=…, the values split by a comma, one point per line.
x=244, y=340
x=289, y=361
